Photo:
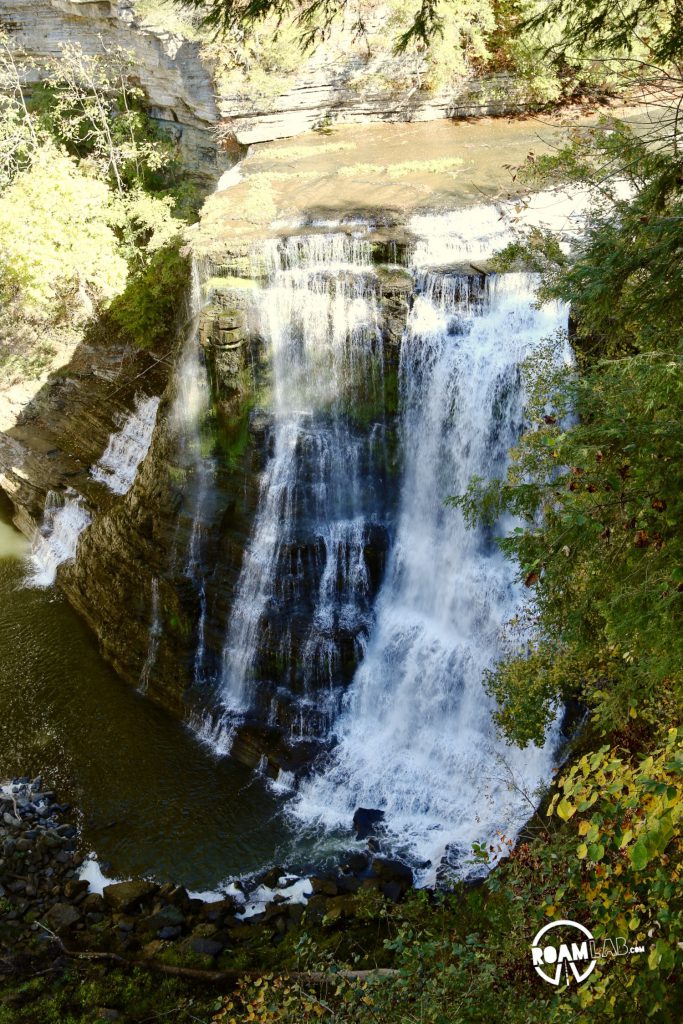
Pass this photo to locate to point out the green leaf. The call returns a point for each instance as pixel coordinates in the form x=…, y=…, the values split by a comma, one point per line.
x=639, y=855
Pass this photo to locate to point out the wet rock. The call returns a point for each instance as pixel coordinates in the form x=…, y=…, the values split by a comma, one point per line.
x=356, y=863
x=364, y=821
x=178, y=896
x=93, y=903
x=169, y=934
x=324, y=886
x=271, y=877
x=388, y=870
x=74, y=887
x=126, y=896
x=219, y=910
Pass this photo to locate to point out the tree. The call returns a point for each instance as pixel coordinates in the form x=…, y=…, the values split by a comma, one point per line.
x=18, y=134
x=315, y=17
x=59, y=254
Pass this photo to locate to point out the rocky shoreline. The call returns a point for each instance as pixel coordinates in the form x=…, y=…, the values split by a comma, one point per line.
x=48, y=909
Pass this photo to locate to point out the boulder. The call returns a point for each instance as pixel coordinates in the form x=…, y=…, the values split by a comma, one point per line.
x=364, y=821
x=356, y=863
x=393, y=871
x=167, y=917
x=126, y=896
x=74, y=887
x=62, y=916
x=323, y=886
x=271, y=877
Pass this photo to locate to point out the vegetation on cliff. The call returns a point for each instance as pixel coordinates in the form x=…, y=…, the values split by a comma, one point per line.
x=88, y=198
x=256, y=45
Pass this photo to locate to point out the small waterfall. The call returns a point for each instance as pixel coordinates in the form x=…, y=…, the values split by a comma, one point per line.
x=474, y=233
x=56, y=542
x=416, y=737
x=190, y=409
x=155, y=631
x=303, y=588
x=127, y=447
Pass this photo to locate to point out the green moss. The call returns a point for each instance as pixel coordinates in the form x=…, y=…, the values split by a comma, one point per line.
x=233, y=437
x=146, y=315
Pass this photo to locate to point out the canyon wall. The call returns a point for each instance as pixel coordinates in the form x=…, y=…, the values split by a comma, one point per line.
x=341, y=81
x=177, y=84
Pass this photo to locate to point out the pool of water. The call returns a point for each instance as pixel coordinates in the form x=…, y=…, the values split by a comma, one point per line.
x=152, y=799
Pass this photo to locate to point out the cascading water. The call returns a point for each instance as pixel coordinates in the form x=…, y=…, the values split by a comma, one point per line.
x=302, y=602
x=155, y=631
x=127, y=447
x=415, y=738
x=56, y=542
x=190, y=409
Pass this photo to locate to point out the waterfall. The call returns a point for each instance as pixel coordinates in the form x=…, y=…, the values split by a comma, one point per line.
x=415, y=737
x=155, y=631
x=474, y=233
x=190, y=409
x=303, y=594
x=127, y=447
x=56, y=541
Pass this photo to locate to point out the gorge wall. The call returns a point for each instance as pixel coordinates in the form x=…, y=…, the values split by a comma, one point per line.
x=346, y=79
x=152, y=555
x=176, y=83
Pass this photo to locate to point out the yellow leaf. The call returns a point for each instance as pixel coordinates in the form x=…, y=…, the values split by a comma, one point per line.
x=582, y=851
x=583, y=827
x=565, y=809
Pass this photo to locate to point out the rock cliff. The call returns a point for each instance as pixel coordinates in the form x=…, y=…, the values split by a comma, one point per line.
x=342, y=81
x=177, y=84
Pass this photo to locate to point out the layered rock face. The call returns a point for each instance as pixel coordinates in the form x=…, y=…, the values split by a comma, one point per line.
x=176, y=82
x=340, y=82
x=352, y=79
x=156, y=564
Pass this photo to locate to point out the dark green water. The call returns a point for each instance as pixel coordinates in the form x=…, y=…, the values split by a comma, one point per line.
x=153, y=800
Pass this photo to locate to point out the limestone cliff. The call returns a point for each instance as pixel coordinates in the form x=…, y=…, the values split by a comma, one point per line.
x=191, y=84
x=177, y=84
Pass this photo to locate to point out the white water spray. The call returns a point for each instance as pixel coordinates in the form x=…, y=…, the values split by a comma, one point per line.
x=155, y=632
x=319, y=315
x=416, y=737
x=127, y=447
x=64, y=519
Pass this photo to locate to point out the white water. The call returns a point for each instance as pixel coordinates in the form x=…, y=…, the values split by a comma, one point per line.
x=476, y=232
x=319, y=316
x=56, y=542
x=127, y=447
x=190, y=409
x=416, y=737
